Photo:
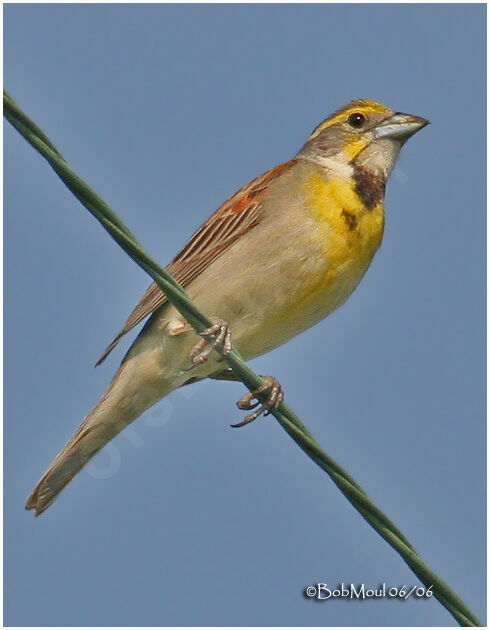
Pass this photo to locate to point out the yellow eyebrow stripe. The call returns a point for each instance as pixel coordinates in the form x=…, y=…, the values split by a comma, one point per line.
x=364, y=107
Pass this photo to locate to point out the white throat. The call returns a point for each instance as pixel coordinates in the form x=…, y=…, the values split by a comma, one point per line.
x=335, y=167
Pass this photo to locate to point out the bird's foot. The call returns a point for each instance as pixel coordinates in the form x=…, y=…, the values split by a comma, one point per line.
x=216, y=337
x=274, y=398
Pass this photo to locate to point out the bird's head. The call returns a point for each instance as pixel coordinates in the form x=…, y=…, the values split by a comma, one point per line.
x=363, y=133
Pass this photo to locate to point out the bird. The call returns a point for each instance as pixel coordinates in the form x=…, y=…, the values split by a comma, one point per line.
x=276, y=258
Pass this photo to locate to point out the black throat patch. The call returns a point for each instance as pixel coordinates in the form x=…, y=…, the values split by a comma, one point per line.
x=369, y=186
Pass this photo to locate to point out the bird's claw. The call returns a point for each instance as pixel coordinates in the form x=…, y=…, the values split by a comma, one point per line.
x=221, y=341
x=274, y=399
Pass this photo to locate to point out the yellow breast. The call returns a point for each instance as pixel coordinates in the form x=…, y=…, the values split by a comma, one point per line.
x=348, y=231
x=348, y=234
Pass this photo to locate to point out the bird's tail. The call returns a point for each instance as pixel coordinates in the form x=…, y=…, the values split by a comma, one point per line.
x=125, y=399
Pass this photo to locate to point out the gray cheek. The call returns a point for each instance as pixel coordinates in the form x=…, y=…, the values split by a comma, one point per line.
x=331, y=141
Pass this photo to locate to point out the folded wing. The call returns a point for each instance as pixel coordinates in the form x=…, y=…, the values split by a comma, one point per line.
x=235, y=217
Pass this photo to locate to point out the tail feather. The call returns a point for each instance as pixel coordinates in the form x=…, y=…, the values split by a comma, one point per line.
x=125, y=399
x=80, y=449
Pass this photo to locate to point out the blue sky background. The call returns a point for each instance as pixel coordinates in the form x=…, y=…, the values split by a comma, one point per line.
x=166, y=111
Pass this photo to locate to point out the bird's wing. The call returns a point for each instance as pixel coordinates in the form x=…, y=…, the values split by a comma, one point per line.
x=235, y=217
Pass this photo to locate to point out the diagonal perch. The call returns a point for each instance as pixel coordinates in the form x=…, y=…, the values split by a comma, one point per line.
x=285, y=416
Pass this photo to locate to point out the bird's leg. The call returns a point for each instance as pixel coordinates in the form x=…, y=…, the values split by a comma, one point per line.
x=274, y=398
x=269, y=383
x=221, y=341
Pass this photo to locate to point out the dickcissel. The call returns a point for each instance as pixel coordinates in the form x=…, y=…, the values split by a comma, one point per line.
x=276, y=258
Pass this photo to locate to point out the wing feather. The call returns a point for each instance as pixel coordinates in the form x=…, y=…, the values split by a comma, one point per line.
x=235, y=217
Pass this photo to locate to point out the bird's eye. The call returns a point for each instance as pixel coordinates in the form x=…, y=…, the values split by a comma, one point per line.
x=356, y=120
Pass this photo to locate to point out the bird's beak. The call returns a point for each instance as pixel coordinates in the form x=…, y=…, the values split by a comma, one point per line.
x=400, y=127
